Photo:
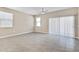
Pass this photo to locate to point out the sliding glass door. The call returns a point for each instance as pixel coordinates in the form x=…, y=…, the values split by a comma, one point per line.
x=54, y=26
x=62, y=26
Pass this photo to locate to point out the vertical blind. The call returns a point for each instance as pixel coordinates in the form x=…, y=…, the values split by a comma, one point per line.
x=62, y=26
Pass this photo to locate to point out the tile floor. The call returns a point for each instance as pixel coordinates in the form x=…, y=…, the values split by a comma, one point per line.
x=39, y=42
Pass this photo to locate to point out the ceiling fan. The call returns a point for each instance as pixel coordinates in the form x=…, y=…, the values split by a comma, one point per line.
x=43, y=11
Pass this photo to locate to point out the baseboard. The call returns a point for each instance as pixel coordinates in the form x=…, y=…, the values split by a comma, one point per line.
x=14, y=35
x=41, y=32
x=44, y=32
x=77, y=38
x=25, y=33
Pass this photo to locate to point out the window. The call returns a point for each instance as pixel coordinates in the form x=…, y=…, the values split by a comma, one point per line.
x=6, y=19
x=38, y=20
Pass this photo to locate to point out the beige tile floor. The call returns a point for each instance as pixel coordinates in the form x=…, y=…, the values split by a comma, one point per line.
x=39, y=42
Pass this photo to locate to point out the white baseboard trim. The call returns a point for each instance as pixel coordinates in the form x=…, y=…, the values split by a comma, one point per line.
x=44, y=32
x=13, y=35
x=25, y=33
x=77, y=37
x=41, y=32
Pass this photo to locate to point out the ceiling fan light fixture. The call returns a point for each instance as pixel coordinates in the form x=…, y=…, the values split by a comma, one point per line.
x=43, y=11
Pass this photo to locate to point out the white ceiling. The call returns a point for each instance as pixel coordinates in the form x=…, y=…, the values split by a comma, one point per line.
x=37, y=10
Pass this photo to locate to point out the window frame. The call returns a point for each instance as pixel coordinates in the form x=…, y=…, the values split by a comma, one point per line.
x=6, y=22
